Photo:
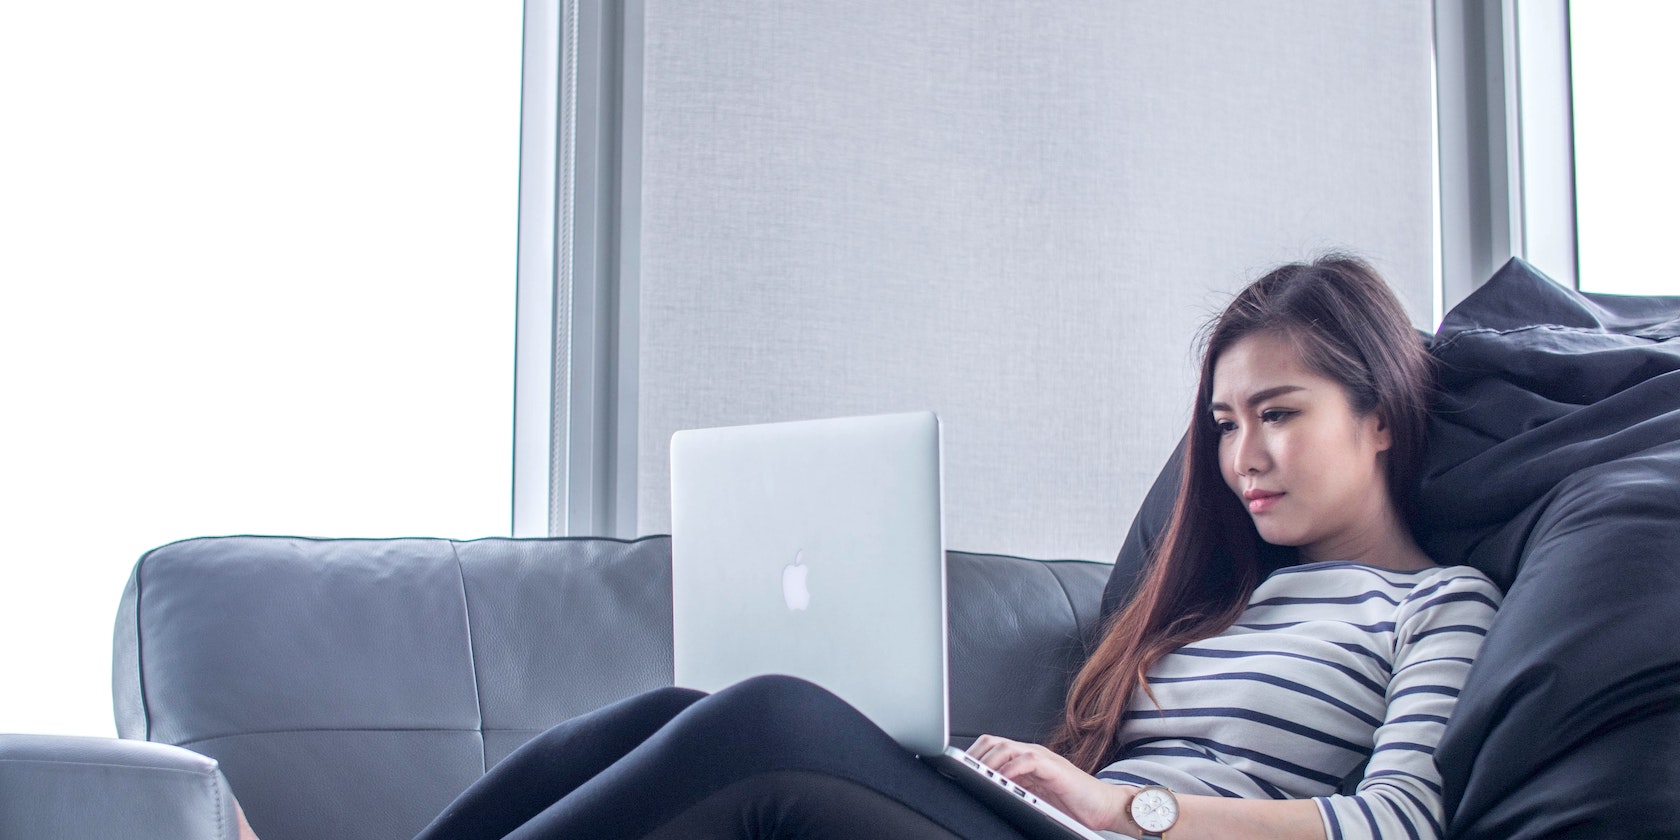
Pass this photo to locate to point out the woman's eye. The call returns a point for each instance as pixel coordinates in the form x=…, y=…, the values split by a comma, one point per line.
x=1274, y=415
x=1224, y=427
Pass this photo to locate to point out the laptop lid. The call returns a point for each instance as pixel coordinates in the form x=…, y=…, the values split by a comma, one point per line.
x=815, y=549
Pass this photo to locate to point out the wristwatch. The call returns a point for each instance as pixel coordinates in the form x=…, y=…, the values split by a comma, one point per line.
x=1154, y=809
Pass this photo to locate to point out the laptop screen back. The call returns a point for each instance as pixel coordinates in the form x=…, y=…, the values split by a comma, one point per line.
x=815, y=549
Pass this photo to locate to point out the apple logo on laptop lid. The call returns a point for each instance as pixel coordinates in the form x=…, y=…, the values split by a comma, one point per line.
x=796, y=590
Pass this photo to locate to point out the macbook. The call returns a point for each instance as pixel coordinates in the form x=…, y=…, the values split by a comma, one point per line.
x=816, y=549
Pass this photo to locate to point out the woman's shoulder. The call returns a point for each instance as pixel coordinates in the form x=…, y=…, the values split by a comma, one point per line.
x=1410, y=591
x=1451, y=595
x=1346, y=573
x=1416, y=580
x=1455, y=579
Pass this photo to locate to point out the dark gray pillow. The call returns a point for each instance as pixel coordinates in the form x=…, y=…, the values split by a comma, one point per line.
x=1554, y=467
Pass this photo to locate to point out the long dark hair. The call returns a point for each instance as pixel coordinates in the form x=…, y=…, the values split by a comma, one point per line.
x=1347, y=326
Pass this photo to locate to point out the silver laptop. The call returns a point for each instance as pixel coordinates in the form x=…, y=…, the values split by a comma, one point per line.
x=816, y=549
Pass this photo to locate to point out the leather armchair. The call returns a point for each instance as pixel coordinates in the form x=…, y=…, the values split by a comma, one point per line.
x=54, y=787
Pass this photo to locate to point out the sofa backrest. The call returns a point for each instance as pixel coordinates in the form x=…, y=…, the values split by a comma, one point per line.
x=351, y=688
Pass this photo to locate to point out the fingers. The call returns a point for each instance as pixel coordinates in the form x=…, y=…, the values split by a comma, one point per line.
x=984, y=744
x=991, y=748
x=1014, y=759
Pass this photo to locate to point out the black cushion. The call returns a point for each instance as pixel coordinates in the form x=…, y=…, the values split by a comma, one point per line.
x=1554, y=467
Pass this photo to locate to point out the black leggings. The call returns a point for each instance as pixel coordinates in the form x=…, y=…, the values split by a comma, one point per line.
x=771, y=757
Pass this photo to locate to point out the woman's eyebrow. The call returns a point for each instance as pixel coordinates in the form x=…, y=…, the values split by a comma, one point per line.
x=1260, y=396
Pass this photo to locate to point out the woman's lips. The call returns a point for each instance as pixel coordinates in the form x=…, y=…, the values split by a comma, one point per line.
x=1260, y=501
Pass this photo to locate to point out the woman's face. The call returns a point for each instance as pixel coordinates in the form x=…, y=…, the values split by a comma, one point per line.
x=1308, y=469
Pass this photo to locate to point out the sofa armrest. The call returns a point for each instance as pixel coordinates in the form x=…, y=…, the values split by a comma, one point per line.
x=58, y=787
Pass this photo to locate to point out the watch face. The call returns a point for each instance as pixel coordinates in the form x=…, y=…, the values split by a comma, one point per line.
x=1154, y=809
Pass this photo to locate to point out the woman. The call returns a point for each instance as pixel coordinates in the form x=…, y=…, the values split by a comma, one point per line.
x=1218, y=704
x=1262, y=697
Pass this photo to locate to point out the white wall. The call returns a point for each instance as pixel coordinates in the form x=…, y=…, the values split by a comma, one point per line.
x=1013, y=213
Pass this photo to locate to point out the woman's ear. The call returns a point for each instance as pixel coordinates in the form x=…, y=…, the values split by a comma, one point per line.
x=1380, y=433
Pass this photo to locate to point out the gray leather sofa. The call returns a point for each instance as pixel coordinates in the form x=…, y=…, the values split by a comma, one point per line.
x=350, y=688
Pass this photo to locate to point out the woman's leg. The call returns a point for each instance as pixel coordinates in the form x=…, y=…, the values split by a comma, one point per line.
x=740, y=755
x=550, y=765
x=800, y=804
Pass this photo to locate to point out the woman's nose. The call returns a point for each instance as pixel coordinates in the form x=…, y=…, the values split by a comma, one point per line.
x=1249, y=454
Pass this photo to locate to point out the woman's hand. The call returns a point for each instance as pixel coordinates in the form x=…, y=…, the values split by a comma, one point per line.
x=1056, y=780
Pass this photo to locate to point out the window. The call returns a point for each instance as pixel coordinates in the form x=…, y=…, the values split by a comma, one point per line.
x=1624, y=71
x=259, y=269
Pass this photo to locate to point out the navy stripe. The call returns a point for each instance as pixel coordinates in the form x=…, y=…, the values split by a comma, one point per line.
x=1207, y=653
x=1167, y=752
x=1122, y=776
x=1134, y=779
x=1265, y=787
x=1331, y=818
x=1223, y=792
x=1407, y=746
x=1417, y=719
x=1379, y=627
x=1142, y=746
x=1442, y=690
x=1458, y=597
x=1232, y=712
x=1138, y=748
x=1382, y=774
x=1280, y=682
x=1411, y=827
x=1363, y=597
x=1218, y=704
x=1381, y=575
x=1366, y=652
x=1268, y=760
x=1451, y=628
x=1457, y=577
x=1431, y=589
x=1370, y=818
x=1461, y=660
x=1434, y=824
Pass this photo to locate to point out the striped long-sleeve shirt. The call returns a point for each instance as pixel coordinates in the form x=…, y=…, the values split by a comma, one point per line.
x=1329, y=664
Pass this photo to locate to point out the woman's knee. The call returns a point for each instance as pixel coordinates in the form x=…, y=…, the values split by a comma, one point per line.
x=674, y=698
x=780, y=698
x=794, y=713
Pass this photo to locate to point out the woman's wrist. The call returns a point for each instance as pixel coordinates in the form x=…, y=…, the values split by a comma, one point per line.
x=1121, y=820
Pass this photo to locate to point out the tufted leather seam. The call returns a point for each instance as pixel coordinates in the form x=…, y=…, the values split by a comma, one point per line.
x=472, y=660
x=1067, y=598
x=140, y=641
x=311, y=730
x=221, y=816
x=1082, y=636
x=146, y=768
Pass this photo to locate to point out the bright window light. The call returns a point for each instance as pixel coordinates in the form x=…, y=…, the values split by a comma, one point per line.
x=258, y=269
x=1625, y=70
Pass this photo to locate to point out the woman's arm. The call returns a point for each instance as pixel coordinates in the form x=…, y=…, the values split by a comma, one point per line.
x=245, y=832
x=1439, y=631
x=1102, y=805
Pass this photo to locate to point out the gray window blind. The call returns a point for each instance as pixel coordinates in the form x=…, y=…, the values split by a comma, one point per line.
x=1016, y=214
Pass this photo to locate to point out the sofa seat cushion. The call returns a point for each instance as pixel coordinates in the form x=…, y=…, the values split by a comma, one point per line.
x=351, y=688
